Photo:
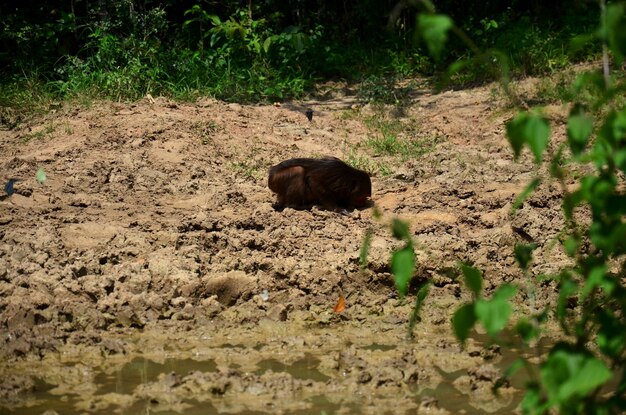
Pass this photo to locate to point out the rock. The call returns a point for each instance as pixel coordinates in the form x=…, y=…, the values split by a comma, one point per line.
x=229, y=287
x=277, y=312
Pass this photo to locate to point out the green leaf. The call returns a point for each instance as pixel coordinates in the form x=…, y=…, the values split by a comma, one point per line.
x=595, y=278
x=267, y=43
x=568, y=288
x=569, y=374
x=556, y=169
x=614, y=30
x=530, y=129
x=528, y=190
x=524, y=254
x=538, y=131
x=400, y=230
x=611, y=336
x=463, y=321
x=403, y=266
x=571, y=245
x=532, y=402
x=419, y=302
x=527, y=330
x=620, y=159
x=41, y=176
x=494, y=314
x=365, y=248
x=579, y=128
x=434, y=30
x=589, y=80
x=473, y=279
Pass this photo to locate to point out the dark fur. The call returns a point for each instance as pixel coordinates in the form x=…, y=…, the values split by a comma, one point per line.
x=329, y=182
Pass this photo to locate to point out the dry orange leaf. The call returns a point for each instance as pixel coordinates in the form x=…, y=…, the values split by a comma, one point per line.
x=341, y=304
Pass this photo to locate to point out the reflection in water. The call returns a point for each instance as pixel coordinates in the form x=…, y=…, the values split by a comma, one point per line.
x=140, y=371
x=305, y=368
x=452, y=399
x=378, y=346
x=123, y=381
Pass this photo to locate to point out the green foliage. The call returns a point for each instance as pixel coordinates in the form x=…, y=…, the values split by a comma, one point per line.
x=422, y=293
x=267, y=51
x=397, y=139
x=384, y=90
x=402, y=267
x=493, y=314
x=365, y=163
x=434, y=30
x=613, y=30
x=528, y=190
x=403, y=259
x=463, y=321
x=473, y=279
x=530, y=129
x=569, y=375
x=585, y=373
x=41, y=176
x=365, y=247
x=579, y=128
x=523, y=254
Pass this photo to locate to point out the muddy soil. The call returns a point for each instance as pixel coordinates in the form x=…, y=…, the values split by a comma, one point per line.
x=150, y=272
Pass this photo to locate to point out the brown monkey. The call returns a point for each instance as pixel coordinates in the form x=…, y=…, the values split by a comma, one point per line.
x=302, y=182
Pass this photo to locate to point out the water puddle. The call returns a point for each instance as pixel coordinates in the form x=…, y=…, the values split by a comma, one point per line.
x=123, y=381
x=305, y=368
x=376, y=346
x=140, y=371
x=116, y=391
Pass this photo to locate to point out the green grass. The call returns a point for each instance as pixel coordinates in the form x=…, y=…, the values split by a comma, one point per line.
x=361, y=162
x=396, y=138
x=206, y=130
x=249, y=170
x=46, y=131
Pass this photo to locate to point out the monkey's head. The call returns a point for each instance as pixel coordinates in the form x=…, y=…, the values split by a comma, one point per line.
x=361, y=190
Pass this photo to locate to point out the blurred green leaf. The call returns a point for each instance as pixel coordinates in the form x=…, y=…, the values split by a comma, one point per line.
x=400, y=230
x=494, y=313
x=473, y=279
x=530, y=129
x=571, y=245
x=533, y=402
x=612, y=334
x=419, y=302
x=579, y=128
x=567, y=289
x=593, y=281
x=524, y=254
x=463, y=321
x=365, y=248
x=614, y=30
x=434, y=30
x=568, y=374
x=527, y=330
x=41, y=176
x=403, y=266
x=528, y=190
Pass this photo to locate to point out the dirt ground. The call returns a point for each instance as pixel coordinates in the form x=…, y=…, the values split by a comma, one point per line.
x=153, y=242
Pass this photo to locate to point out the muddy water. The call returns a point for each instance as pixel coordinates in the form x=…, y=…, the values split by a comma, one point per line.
x=297, y=370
